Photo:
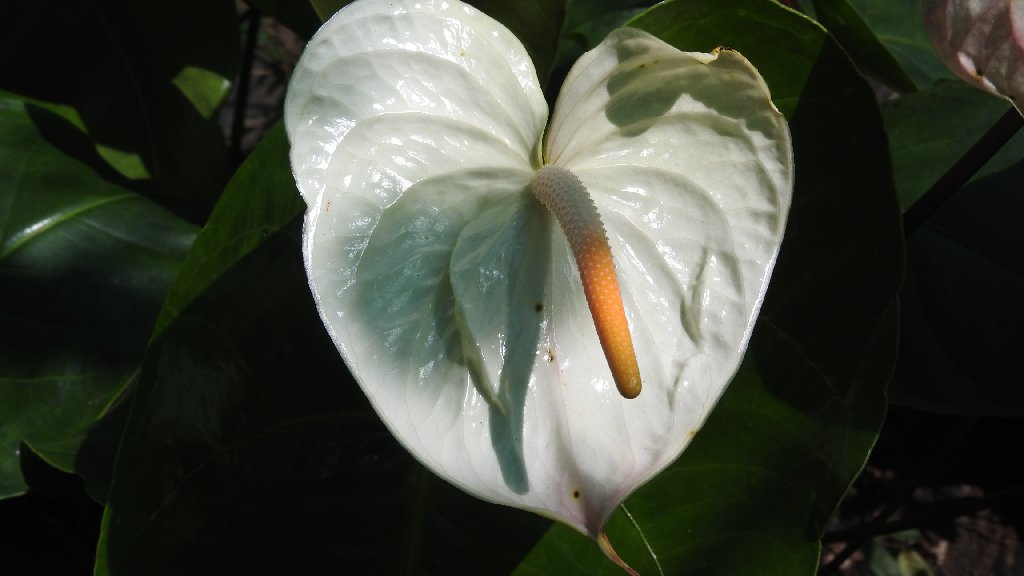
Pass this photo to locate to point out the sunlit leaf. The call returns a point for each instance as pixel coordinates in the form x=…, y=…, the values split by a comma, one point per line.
x=84, y=266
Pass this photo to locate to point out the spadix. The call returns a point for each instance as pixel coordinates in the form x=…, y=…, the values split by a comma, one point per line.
x=562, y=193
x=454, y=295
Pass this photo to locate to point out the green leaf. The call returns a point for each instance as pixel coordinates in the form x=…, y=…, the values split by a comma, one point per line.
x=239, y=224
x=247, y=433
x=587, y=22
x=144, y=77
x=84, y=266
x=97, y=453
x=912, y=564
x=864, y=48
x=537, y=24
x=962, y=310
x=796, y=424
x=326, y=8
x=900, y=28
x=591, y=20
x=961, y=307
x=930, y=130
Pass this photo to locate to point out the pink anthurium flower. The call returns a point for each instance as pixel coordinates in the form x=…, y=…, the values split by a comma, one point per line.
x=982, y=41
x=449, y=224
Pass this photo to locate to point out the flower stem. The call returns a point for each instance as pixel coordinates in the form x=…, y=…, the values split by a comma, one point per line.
x=961, y=172
x=606, y=547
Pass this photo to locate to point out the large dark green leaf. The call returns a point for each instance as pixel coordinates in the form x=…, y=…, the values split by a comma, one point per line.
x=537, y=24
x=84, y=266
x=248, y=434
x=899, y=25
x=145, y=77
x=962, y=310
x=797, y=423
x=961, y=303
x=587, y=22
x=326, y=8
x=930, y=130
x=263, y=201
x=873, y=58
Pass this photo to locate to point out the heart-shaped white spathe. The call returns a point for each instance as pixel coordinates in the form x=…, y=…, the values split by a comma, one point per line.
x=451, y=293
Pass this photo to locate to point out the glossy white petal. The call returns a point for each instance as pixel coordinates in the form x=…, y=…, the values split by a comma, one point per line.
x=413, y=126
x=451, y=292
x=690, y=165
x=982, y=41
x=444, y=60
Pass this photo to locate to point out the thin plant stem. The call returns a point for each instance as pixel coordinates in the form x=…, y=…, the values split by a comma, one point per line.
x=964, y=169
x=244, y=77
x=861, y=534
x=942, y=512
x=423, y=486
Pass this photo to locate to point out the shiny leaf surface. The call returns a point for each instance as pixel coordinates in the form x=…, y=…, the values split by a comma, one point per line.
x=864, y=47
x=899, y=26
x=84, y=266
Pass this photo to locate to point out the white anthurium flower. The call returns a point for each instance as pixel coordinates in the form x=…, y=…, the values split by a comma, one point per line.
x=454, y=295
